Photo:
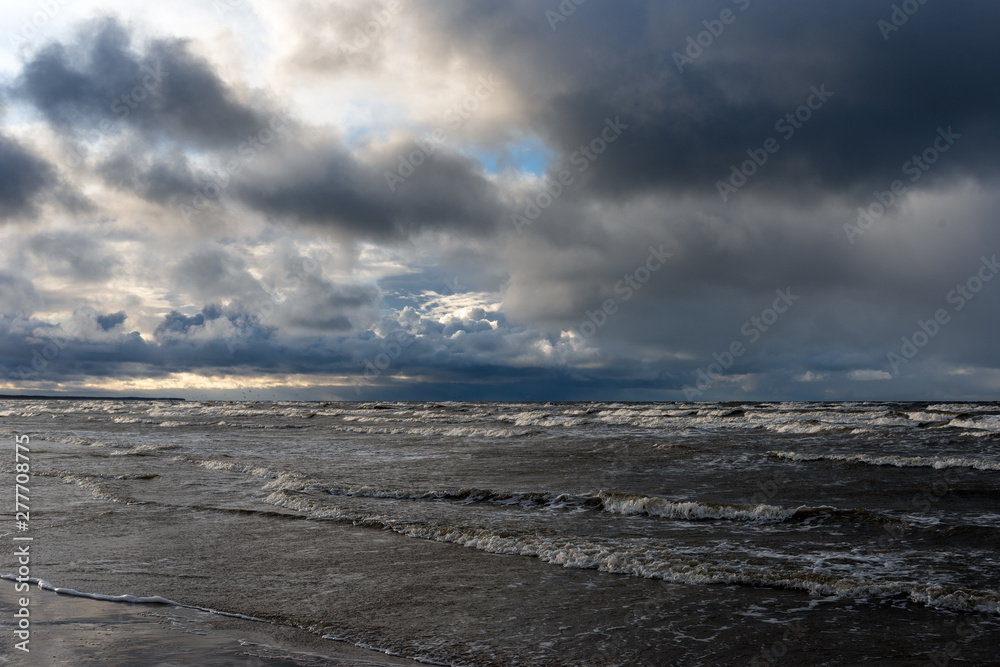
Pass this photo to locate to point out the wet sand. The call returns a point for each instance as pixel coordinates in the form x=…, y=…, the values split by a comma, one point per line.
x=68, y=630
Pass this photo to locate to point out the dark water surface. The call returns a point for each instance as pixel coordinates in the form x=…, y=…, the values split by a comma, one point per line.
x=549, y=534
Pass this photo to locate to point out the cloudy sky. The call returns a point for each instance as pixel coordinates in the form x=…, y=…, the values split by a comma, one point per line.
x=500, y=199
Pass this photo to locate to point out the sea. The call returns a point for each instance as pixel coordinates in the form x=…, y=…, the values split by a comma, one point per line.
x=530, y=533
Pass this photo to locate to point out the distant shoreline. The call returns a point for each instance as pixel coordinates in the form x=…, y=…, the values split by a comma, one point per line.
x=68, y=397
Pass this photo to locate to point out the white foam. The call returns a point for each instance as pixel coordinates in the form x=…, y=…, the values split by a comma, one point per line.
x=132, y=420
x=691, y=511
x=990, y=423
x=650, y=560
x=143, y=450
x=131, y=599
x=894, y=460
x=802, y=429
x=96, y=490
x=928, y=417
x=620, y=504
x=452, y=431
x=959, y=408
x=256, y=471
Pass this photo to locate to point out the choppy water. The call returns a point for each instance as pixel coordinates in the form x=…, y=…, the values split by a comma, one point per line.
x=570, y=533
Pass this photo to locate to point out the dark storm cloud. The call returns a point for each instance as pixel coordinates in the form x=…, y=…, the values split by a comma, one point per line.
x=18, y=296
x=687, y=128
x=96, y=345
x=100, y=84
x=292, y=296
x=112, y=320
x=325, y=185
x=178, y=323
x=22, y=177
x=217, y=272
x=655, y=184
x=92, y=89
x=320, y=305
x=165, y=180
x=34, y=350
x=75, y=254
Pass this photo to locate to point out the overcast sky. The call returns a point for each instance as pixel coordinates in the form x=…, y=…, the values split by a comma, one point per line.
x=500, y=199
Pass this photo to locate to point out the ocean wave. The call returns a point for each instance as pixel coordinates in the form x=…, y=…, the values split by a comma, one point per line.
x=723, y=413
x=669, y=445
x=95, y=486
x=989, y=423
x=632, y=505
x=612, y=503
x=894, y=460
x=132, y=420
x=619, y=504
x=644, y=559
x=449, y=431
x=960, y=408
x=530, y=418
x=809, y=427
x=130, y=599
x=256, y=471
x=69, y=439
x=928, y=417
x=19, y=413
x=144, y=450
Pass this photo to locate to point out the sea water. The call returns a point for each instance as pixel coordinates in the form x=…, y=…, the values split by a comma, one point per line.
x=530, y=533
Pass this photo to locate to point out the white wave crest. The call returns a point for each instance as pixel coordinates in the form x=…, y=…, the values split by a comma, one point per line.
x=893, y=460
x=643, y=559
x=630, y=505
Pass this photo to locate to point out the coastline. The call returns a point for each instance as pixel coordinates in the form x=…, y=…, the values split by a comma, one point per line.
x=72, y=630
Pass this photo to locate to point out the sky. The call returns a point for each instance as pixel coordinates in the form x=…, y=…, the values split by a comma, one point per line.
x=645, y=200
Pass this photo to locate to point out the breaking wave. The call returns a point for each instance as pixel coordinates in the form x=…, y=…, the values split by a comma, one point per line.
x=894, y=460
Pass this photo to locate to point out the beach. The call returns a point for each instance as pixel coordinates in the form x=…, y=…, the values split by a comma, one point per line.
x=69, y=630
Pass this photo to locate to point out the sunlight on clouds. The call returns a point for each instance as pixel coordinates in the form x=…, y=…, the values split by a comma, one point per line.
x=307, y=255
x=197, y=381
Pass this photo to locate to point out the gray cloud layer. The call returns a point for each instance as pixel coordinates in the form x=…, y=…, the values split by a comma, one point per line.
x=876, y=103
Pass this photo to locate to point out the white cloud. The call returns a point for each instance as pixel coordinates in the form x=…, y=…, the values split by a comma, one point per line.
x=869, y=375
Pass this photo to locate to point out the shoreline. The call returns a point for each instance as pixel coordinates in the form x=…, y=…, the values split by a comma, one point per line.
x=68, y=630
